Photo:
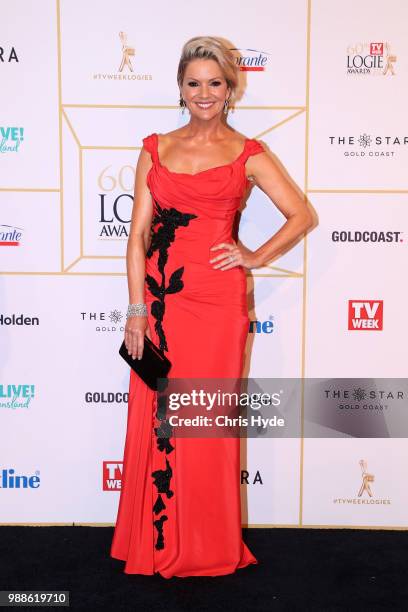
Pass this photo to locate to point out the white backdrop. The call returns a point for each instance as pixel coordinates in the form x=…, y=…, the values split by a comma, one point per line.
x=329, y=102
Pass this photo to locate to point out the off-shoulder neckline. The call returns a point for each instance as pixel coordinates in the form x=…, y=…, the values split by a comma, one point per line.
x=156, y=137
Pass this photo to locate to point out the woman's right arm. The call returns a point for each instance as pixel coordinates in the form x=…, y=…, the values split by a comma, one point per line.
x=138, y=243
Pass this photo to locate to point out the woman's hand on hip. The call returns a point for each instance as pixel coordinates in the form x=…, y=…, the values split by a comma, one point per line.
x=233, y=256
x=135, y=329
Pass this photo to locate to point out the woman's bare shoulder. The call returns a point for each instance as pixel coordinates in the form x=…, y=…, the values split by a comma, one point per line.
x=172, y=135
x=238, y=136
x=235, y=141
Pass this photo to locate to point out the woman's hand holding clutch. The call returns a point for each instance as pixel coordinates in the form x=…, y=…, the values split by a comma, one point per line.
x=135, y=329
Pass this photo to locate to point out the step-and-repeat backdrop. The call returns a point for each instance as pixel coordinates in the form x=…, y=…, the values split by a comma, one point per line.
x=323, y=85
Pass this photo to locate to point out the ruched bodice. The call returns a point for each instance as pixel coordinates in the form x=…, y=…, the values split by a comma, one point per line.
x=213, y=195
x=224, y=184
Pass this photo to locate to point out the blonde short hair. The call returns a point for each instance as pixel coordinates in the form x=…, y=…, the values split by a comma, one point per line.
x=210, y=47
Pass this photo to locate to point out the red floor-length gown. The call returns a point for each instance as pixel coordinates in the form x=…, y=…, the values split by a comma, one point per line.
x=185, y=520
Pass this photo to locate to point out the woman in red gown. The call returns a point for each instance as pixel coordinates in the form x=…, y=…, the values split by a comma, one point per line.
x=179, y=511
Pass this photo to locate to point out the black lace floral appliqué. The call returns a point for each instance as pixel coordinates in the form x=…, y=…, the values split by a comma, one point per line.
x=163, y=232
x=162, y=478
x=167, y=221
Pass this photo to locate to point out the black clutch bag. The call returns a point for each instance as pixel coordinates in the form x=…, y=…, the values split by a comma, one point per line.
x=153, y=364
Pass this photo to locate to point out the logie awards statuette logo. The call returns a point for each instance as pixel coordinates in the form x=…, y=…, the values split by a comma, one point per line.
x=367, y=479
x=127, y=52
x=365, y=497
x=126, y=71
x=370, y=59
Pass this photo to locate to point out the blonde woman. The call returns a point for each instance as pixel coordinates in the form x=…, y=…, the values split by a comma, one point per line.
x=179, y=511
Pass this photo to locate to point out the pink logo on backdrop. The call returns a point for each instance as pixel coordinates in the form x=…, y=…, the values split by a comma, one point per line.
x=112, y=475
x=377, y=48
x=365, y=315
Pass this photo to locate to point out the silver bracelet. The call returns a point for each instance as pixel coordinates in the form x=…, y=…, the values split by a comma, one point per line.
x=136, y=310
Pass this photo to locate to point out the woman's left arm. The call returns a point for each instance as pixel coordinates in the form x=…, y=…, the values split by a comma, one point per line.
x=266, y=174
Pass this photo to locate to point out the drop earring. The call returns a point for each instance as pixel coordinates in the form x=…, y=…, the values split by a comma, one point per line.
x=226, y=107
x=182, y=104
